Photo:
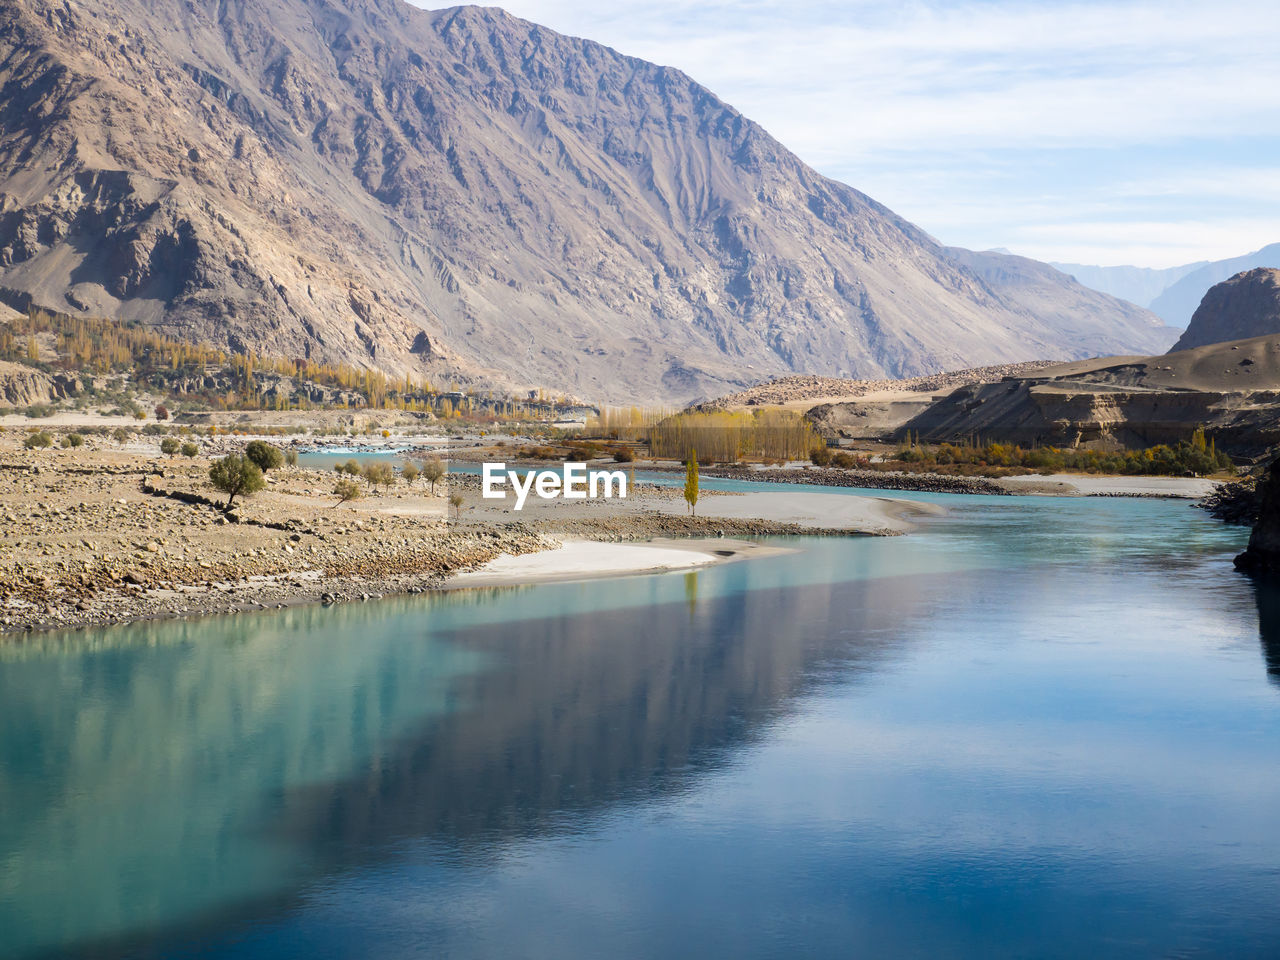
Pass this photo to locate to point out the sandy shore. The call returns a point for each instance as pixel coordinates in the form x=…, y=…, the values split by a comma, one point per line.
x=585, y=560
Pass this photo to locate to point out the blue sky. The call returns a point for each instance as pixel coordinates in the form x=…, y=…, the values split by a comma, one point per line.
x=1122, y=132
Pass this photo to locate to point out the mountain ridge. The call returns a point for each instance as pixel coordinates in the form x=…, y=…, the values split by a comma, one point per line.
x=463, y=193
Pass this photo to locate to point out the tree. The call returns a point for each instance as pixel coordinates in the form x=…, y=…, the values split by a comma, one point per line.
x=236, y=476
x=409, y=471
x=38, y=441
x=346, y=490
x=169, y=446
x=189, y=449
x=263, y=455
x=351, y=468
x=291, y=457
x=691, y=482
x=162, y=412
x=379, y=473
x=433, y=470
x=73, y=440
x=821, y=455
x=456, y=499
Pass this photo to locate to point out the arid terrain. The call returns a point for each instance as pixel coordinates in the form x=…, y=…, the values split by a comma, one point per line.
x=101, y=534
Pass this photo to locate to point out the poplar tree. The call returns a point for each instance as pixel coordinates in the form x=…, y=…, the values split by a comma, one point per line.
x=691, y=482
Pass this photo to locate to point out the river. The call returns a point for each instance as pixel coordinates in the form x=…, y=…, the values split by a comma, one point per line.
x=1037, y=727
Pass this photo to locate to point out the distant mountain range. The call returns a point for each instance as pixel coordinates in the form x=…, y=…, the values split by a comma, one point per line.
x=1173, y=293
x=459, y=193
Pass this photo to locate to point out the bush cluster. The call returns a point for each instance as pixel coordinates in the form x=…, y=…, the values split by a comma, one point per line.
x=1197, y=456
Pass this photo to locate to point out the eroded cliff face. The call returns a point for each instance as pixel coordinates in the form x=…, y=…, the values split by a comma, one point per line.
x=1247, y=305
x=1232, y=390
x=459, y=190
x=1098, y=416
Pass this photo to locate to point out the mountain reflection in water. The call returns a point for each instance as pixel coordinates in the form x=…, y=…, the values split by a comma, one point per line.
x=895, y=744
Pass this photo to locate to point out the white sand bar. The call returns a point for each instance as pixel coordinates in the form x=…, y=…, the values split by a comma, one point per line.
x=580, y=559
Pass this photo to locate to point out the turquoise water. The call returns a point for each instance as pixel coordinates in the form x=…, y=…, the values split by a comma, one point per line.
x=1038, y=727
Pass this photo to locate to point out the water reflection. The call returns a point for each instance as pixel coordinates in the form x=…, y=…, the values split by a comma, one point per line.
x=1267, y=595
x=143, y=789
x=178, y=788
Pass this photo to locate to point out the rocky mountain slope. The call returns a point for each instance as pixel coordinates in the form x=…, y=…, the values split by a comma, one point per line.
x=460, y=192
x=1247, y=305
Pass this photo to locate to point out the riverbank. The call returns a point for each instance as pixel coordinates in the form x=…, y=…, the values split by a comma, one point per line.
x=100, y=535
x=103, y=534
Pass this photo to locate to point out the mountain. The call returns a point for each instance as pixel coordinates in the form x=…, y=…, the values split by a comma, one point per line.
x=1172, y=293
x=1138, y=285
x=1055, y=299
x=462, y=193
x=1183, y=298
x=1247, y=305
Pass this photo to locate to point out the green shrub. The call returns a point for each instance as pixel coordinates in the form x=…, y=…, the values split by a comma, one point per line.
x=169, y=446
x=189, y=449
x=38, y=441
x=72, y=440
x=263, y=455
x=236, y=476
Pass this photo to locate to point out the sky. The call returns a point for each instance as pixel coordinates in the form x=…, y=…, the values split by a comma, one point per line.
x=1140, y=132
